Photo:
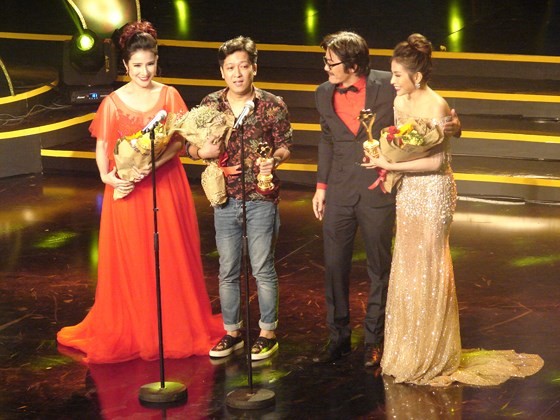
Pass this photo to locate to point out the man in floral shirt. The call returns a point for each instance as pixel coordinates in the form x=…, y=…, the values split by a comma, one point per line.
x=267, y=138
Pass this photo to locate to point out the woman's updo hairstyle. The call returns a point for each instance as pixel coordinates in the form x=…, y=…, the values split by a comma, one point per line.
x=415, y=55
x=137, y=36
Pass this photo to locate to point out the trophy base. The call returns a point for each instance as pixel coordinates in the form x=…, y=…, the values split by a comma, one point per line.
x=371, y=147
x=264, y=184
x=265, y=191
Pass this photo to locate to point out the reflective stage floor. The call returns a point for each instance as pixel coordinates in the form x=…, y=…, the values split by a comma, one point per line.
x=506, y=259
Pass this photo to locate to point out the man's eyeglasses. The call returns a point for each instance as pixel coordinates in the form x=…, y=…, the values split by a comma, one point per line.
x=330, y=65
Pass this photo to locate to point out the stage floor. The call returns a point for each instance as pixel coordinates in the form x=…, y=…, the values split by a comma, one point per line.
x=506, y=262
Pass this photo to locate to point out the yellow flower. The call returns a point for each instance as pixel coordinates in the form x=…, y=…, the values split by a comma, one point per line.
x=144, y=142
x=406, y=128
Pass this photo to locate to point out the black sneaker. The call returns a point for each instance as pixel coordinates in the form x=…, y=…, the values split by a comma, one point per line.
x=263, y=348
x=333, y=352
x=227, y=345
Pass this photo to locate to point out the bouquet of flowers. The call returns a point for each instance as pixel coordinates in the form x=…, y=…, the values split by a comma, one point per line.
x=205, y=123
x=409, y=141
x=405, y=134
x=134, y=151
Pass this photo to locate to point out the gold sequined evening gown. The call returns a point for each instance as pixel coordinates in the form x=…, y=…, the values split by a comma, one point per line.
x=422, y=339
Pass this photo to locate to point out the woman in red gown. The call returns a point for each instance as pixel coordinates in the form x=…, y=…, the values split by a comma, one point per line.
x=122, y=324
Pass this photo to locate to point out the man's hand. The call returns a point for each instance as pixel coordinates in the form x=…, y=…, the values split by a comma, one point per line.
x=209, y=150
x=319, y=203
x=265, y=165
x=452, y=126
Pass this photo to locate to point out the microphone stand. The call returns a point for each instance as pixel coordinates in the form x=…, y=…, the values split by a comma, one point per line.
x=160, y=393
x=247, y=397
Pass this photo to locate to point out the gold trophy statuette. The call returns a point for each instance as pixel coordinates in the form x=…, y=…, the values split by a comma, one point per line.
x=371, y=146
x=264, y=182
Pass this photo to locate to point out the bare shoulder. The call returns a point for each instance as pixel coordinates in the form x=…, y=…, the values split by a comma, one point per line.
x=440, y=105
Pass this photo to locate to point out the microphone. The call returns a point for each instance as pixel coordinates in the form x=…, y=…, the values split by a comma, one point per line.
x=249, y=106
x=160, y=116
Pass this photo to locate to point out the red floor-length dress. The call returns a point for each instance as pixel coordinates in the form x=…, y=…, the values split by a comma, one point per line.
x=122, y=324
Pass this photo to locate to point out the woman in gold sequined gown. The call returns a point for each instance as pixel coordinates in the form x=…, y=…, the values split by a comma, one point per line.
x=422, y=339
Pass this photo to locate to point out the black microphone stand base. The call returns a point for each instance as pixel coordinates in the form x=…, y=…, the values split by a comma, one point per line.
x=250, y=399
x=174, y=393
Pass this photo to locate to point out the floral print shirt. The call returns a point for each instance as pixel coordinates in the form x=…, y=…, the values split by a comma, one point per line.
x=268, y=122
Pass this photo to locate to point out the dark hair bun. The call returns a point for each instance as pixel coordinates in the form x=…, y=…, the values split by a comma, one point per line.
x=420, y=43
x=134, y=28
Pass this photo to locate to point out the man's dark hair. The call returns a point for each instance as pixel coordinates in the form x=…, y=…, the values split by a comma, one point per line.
x=241, y=43
x=351, y=48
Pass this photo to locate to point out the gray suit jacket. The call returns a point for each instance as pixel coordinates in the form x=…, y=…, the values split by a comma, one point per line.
x=341, y=152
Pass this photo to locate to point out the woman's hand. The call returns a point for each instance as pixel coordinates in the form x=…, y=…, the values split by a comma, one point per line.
x=139, y=175
x=118, y=184
x=372, y=162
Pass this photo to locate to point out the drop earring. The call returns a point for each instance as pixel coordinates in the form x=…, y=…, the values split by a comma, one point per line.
x=417, y=85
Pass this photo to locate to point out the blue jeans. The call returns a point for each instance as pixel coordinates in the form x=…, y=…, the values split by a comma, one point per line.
x=263, y=222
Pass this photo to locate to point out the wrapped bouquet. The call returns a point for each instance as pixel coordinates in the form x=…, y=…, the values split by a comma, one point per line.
x=133, y=153
x=409, y=141
x=205, y=123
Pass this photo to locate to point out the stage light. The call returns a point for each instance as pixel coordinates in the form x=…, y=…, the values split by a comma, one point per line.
x=90, y=63
x=89, y=66
x=85, y=42
x=86, y=53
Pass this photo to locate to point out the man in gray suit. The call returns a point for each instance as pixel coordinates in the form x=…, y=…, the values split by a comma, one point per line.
x=342, y=198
